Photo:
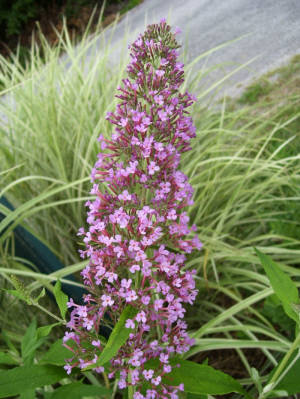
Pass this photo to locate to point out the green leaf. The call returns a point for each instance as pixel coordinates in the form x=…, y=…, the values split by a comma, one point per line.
x=117, y=338
x=19, y=295
x=274, y=311
x=57, y=354
x=21, y=289
x=196, y=396
x=29, y=341
x=28, y=394
x=9, y=343
x=290, y=382
x=45, y=330
x=41, y=295
x=61, y=299
x=77, y=390
x=6, y=358
x=282, y=285
x=199, y=378
x=20, y=379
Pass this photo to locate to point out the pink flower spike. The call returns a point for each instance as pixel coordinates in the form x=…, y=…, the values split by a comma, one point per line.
x=138, y=230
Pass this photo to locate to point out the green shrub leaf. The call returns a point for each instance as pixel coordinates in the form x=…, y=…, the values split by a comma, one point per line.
x=19, y=295
x=202, y=379
x=117, y=338
x=282, y=285
x=290, y=382
x=20, y=379
x=57, y=354
x=41, y=295
x=198, y=379
x=45, y=330
x=77, y=390
x=29, y=394
x=29, y=342
x=6, y=358
x=61, y=299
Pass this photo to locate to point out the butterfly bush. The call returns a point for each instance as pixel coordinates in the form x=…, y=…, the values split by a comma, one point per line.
x=138, y=227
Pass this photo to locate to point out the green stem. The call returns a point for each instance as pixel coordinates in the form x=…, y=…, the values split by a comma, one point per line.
x=286, y=358
x=130, y=392
x=114, y=389
x=49, y=313
x=130, y=387
x=106, y=381
x=275, y=378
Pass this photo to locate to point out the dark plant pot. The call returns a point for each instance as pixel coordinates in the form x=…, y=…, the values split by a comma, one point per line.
x=28, y=247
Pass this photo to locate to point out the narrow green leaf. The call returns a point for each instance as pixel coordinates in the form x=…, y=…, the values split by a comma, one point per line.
x=290, y=382
x=61, y=299
x=45, y=330
x=117, y=338
x=20, y=379
x=6, y=358
x=28, y=394
x=77, y=390
x=21, y=289
x=19, y=295
x=282, y=285
x=29, y=341
x=9, y=343
x=199, y=379
x=41, y=295
x=56, y=355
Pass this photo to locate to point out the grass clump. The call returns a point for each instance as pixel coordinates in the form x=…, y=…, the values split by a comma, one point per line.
x=252, y=93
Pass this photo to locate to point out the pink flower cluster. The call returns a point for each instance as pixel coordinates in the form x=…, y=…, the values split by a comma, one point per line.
x=138, y=228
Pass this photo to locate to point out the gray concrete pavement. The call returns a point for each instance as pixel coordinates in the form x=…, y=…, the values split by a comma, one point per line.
x=267, y=29
x=272, y=28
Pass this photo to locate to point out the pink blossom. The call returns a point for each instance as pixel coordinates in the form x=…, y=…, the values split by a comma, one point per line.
x=134, y=268
x=129, y=324
x=125, y=196
x=106, y=300
x=156, y=381
x=148, y=374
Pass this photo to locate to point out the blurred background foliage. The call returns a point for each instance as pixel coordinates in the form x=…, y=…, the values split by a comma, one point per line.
x=19, y=19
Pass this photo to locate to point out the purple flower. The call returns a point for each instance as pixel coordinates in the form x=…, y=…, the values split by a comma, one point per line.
x=156, y=381
x=148, y=374
x=68, y=368
x=129, y=324
x=132, y=222
x=106, y=300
